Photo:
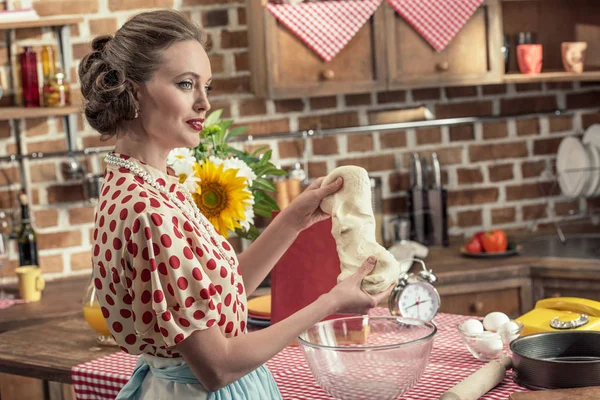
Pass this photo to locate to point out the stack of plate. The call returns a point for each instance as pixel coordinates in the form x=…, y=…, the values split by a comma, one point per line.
x=578, y=164
x=259, y=311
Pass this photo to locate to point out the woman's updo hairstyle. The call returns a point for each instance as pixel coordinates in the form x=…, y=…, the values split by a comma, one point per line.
x=132, y=55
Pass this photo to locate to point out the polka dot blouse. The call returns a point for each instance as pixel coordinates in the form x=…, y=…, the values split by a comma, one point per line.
x=158, y=279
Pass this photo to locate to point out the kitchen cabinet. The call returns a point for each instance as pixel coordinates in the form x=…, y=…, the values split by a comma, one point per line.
x=284, y=67
x=569, y=281
x=472, y=57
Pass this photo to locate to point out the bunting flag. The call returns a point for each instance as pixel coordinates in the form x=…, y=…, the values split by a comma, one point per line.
x=326, y=27
x=438, y=21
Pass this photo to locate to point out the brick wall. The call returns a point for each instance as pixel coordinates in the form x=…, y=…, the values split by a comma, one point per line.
x=494, y=171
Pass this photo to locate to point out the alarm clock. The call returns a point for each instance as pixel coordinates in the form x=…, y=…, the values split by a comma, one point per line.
x=415, y=296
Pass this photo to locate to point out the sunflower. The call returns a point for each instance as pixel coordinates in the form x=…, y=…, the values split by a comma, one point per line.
x=221, y=196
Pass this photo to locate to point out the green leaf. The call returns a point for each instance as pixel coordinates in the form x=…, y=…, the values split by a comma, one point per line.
x=238, y=130
x=264, y=184
x=262, y=213
x=225, y=124
x=251, y=234
x=213, y=117
x=262, y=198
x=259, y=150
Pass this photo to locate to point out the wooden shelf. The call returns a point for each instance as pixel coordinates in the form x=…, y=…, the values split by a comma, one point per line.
x=551, y=76
x=38, y=23
x=7, y=113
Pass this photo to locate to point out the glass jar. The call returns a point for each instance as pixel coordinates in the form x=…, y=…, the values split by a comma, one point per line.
x=29, y=78
x=57, y=92
x=92, y=313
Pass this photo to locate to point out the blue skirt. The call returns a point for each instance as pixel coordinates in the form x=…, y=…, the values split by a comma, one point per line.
x=159, y=378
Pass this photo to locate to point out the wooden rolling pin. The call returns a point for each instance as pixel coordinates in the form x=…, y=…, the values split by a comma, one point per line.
x=479, y=382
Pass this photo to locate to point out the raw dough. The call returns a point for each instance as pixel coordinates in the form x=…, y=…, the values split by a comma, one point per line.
x=354, y=229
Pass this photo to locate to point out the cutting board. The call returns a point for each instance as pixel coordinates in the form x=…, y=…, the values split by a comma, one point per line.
x=586, y=393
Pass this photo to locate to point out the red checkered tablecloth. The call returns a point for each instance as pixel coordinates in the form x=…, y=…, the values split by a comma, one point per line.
x=325, y=26
x=438, y=21
x=6, y=303
x=450, y=362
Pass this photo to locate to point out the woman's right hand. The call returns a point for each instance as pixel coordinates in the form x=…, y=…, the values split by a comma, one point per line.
x=348, y=296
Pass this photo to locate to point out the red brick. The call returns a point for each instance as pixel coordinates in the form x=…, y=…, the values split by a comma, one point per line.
x=393, y=139
x=546, y=146
x=4, y=130
x=325, y=146
x=468, y=176
x=399, y=181
x=338, y=120
x=81, y=215
x=59, y=240
x=265, y=127
x=428, y=135
x=42, y=172
x=534, y=211
x=69, y=7
x=530, y=169
x=527, y=127
x=118, y=5
x=426, y=94
x=222, y=104
x=499, y=173
x=217, y=63
x=9, y=175
x=391, y=97
x=212, y=18
x=531, y=191
x=487, y=152
x=252, y=107
x=317, y=169
x=28, y=34
x=526, y=105
x=235, y=39
x=469, y=218
x=242, y=62
x=561, y=123
x=45, y=218
x=559, y=85
x=583, y=100
x=242, y=20
x=319, y=103
x=371, y=164
x=461, y=91
x=240, y=84
x=588, y=120
x=503, y=215
x=360, y=142
x=290, y=148
x=64, y=193
x=495, y=130
x=461, y=132
x=289, y=105
x=395, y=205
x=529, y=87
x=362, y=99
x=465, y=197
x=81, y=260
x=465, y=109
x=566, y=207
x=494, y=89
x=103, y=26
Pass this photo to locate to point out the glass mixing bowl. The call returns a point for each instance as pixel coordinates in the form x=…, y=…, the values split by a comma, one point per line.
x=362, y=357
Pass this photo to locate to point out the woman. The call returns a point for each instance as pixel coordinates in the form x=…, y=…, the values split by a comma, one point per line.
x=171, y=288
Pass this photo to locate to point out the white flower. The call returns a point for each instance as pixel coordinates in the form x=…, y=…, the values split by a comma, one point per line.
x=178, y=155
x=191, y=183
x=243, y=169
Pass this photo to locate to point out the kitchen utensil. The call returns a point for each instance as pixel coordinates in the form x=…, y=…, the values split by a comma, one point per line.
x=480, y=382
x=362, y=357
x=571, y=164
x=512, y=250
x=591, y=138
x=489, y=346
x=416, y=196
x=437, y=205
x=91, y=187
x=72, y=169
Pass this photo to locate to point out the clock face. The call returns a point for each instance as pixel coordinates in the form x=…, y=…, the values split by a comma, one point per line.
x=419, y=300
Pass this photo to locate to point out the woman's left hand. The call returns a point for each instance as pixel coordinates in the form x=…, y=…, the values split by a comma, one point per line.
x=304, y=210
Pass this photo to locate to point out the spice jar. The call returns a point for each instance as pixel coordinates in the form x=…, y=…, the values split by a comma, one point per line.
x=29, y=78
x=57, y=93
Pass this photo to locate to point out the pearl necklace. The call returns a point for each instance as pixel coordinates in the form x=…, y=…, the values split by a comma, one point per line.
x=193, y=214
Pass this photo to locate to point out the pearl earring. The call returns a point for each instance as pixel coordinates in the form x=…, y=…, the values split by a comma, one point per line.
x=136, y=114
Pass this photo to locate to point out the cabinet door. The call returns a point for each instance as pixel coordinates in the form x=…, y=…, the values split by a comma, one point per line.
x=294, y=70
x=473, y=56
x=483, y=303
x=562, y=287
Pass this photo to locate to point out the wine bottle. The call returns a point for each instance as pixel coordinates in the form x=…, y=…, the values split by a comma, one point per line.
x=26, y=237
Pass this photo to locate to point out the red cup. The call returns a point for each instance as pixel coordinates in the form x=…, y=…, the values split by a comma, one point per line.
x=530, y=57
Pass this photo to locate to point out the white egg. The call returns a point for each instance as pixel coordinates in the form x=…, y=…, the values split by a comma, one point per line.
x=489, y=345
x=509, y=331
x=472, y=326
x=494, y=320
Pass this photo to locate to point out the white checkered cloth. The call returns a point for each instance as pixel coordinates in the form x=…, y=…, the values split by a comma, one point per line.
x=438, y=21
x=325, y=26
x=449, y=363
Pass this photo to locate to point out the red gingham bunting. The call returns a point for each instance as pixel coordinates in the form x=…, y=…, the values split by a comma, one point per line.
x=325, y=26
x=449, y=363
x=438, y=21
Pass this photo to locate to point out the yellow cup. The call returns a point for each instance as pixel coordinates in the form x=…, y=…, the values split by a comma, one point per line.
x=31, y=283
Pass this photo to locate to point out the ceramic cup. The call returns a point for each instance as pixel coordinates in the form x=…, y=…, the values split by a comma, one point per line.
x=31, y=283
x=530, y=57
x=573, y=56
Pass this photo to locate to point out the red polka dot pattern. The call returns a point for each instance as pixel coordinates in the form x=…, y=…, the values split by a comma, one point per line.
x=151, y=260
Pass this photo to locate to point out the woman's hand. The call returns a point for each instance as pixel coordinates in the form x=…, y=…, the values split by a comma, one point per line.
x=348, y=296
x=304, y=210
